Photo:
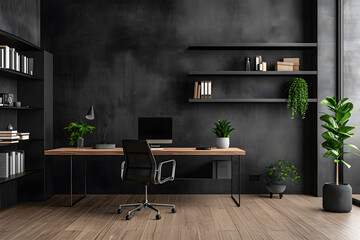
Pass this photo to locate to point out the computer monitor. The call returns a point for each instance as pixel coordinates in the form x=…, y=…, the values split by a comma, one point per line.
x=157, y=130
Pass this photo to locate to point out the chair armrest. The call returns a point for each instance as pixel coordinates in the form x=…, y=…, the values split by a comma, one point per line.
x=172, y=177
x=122, y=170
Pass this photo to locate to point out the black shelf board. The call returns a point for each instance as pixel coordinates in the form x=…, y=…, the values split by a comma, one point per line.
x=215, y=46
x=244, y=100
x=200, y=179
x=17, y=176
x=9, y=73
x=21, y=108
x=251, y=73
x=15, y=42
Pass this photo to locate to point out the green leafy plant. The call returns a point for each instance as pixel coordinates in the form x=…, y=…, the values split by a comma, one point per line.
x=222, y=129
x=337, y=131
x=280, y=170
x=78, y=131
x=298, y=97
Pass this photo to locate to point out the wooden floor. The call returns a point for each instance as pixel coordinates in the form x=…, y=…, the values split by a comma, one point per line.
x=198, y=217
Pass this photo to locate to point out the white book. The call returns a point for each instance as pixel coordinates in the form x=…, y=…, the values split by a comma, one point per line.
x=18, y=162
x=12, y=58
x=26, y=65
x=210, y=90
x=4, y=165
x=22, y=162
x=2, y=57
x=206, y=88
x=202, y=91
x=17, y=62
x=6, y=56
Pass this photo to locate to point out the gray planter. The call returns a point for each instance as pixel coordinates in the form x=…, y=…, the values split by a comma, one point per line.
x=222, y=142
x=337, y=198
x=80, y=143
x=277, y=189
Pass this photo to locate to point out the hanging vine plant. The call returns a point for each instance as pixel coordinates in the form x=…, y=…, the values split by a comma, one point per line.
x=298, y=97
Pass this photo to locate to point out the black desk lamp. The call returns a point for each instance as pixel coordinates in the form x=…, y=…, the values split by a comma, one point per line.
x=102, y=145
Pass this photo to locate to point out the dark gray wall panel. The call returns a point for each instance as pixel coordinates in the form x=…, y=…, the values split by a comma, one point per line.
x=130, y=59
x=351, y=83
x=326, y=81
x=21, y=18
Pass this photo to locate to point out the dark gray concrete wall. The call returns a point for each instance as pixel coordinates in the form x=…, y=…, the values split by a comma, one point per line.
x=326, y=81
x=21, y=18
x=351, y=83
x=130, y=59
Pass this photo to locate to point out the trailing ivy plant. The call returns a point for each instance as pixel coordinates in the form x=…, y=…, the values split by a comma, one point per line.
x=298, y=97
x=280, y=170
x=78, y=131
x=223, y=129
x=337, y=131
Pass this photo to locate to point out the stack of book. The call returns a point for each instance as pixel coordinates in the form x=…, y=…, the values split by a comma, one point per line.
x=11, y=59
x=288, y=64
x=8, y=137
x=24, y=136
x=12, y=163
x=203, y=90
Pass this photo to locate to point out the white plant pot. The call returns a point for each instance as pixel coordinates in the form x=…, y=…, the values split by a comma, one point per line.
x=223, y=142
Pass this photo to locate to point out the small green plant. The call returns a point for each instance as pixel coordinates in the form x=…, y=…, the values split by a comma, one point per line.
x=280, y=170
x=298, y=97
x=337, y=131
x=222, y=129
x=78, y=131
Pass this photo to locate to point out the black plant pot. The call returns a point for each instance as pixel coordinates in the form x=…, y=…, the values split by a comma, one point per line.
x=337, y=198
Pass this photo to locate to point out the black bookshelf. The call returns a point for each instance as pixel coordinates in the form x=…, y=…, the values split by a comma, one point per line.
x=232, y=46
x=12, y=74
x=35, y=116
x=252, y=73
x=245, y=100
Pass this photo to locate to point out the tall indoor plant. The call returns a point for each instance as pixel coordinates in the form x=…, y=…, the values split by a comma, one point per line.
x=298, y=97
x=222, y=130
x=77, y=132
x=337, y=197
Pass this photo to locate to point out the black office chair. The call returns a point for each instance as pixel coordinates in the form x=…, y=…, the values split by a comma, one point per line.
x=140, y=166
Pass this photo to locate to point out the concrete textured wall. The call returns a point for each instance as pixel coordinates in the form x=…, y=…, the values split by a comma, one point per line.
x=21, y=18
x=130, y=59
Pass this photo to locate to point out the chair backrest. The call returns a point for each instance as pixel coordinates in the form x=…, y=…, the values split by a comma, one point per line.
x=140, y=163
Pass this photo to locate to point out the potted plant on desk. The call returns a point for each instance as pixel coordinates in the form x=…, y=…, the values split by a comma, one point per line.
x=78, y=132
x=277, y=173
x=337, y=197
x=222, y=130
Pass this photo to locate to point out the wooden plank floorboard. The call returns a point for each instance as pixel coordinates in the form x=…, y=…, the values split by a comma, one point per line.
x=204, y=217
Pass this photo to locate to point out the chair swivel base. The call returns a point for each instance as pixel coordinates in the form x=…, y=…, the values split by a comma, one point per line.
x=138, y=206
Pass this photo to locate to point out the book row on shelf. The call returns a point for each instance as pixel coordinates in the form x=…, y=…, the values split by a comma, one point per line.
x=203, y=90
x=13, y=136
x=11, y=59
x=12, y=162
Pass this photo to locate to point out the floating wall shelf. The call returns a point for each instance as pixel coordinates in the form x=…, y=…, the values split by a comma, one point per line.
x=16, y=42
x=251, y=73
x=20, y=108
x=17, y=176
x=231, y=46
x=8, y=73
x=244, y=100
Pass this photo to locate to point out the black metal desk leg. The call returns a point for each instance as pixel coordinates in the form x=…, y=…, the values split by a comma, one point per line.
x=71, y=183
x=232, y=178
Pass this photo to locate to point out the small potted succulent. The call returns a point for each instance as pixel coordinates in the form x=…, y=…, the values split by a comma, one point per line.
x=78, y=131
x=277, y=173
x=222, y=130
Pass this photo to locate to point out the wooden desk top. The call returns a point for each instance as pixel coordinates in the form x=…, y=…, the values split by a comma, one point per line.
x=183, y=151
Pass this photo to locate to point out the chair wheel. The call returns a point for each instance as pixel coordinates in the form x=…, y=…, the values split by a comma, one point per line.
x=173, y=210
x=128, y=217
x=158, y=216
x=119, y=211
